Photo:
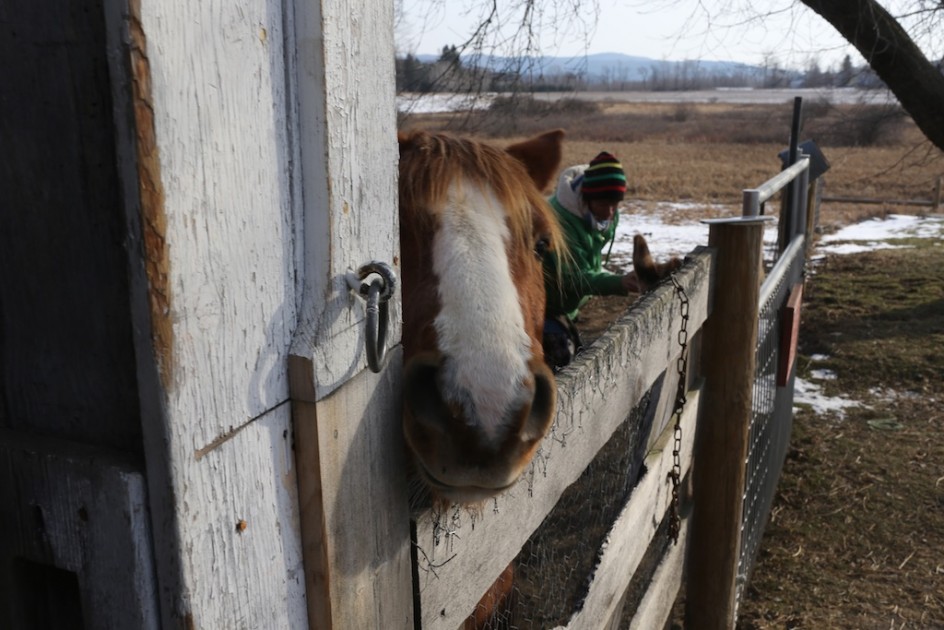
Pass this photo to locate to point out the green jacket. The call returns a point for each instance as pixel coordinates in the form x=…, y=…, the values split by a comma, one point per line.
x=582, y=275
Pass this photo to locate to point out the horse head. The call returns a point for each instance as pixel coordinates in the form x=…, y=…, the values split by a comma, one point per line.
x=478, y=397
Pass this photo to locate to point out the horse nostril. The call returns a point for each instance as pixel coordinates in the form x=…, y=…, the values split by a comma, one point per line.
x=421, y=395
x=542, y=404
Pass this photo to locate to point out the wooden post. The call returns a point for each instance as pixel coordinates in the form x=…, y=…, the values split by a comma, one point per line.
x=352, y=500
x=937, y=192
x=728, y=358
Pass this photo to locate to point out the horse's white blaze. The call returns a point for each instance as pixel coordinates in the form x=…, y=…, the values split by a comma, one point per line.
x=485, y=374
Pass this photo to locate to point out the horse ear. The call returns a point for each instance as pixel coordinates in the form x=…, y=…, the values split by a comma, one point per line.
x=541, y=155
x=407, y=139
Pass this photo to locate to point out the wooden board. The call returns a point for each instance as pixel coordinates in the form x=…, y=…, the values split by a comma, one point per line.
x=729, y=355
x=348, y=153
x=243, y=560
x=67, y=357
x=656, y=605
x=789, y=334
x=353, y=499
x=220, y=208
x=350, y=452
x=83, y=510
x=461, y=554
x=634, y=529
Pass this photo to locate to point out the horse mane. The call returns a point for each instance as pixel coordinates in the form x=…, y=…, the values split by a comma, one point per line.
x=431, y=162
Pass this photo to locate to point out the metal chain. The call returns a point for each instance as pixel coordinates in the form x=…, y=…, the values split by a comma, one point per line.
x=681, y=365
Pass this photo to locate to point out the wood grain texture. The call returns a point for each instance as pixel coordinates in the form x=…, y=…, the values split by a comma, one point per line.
x=730, y=337
x=354, y=502
x=350, y=455
x=220, y=117
x=81, y=509
x=66, y=352
x=461, y=553
x=657, y=603
x=348, y=156
x=247, y=576
x=221, y=130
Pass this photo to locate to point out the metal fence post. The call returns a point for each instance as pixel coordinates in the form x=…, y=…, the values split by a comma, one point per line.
x=801, y=200
x=728, y=363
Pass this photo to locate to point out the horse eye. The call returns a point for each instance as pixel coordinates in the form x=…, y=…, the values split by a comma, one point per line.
x=541, y=247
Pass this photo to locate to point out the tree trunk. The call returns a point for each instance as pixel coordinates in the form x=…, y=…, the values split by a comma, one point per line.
x=894, y=57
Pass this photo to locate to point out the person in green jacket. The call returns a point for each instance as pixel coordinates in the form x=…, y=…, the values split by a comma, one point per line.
x=586, y=204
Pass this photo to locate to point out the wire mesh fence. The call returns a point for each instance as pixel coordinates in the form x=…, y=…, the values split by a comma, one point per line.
x=554, y=569
x=772, y=410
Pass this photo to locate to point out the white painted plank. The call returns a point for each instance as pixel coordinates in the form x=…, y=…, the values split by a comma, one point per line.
x=218, y=84
x=349, y=153
x=356, y=523
x=223, y=79
x=460, y=554
x=634, y=529
x=217, y=74
x=241, y=538
x=657, y=603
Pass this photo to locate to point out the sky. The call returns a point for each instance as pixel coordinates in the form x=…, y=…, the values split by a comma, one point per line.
x=721, y=30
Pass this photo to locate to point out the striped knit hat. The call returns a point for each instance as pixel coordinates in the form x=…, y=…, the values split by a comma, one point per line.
x=604, y=178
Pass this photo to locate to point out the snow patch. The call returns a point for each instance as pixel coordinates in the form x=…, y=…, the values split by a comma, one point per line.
x=872, y=234
x=812, y=395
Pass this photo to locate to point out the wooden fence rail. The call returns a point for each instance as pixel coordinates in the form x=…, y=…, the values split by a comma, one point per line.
x=594, y=396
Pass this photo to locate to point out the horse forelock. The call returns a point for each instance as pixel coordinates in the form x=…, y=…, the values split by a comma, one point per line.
x=435, y=162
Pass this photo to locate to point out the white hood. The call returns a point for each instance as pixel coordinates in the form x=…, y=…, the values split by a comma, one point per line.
x=568, y=190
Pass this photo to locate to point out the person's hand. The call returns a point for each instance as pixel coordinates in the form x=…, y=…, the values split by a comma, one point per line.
x=630, y=283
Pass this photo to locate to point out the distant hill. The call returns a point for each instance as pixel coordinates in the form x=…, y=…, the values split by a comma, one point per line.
x=606, y=66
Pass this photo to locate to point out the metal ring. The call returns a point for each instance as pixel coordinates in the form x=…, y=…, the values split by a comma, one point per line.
x=377, y=293
x=376, y=332
x=387, y=275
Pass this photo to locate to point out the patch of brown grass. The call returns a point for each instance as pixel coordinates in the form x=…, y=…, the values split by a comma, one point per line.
x=858, y=524
x=714, y=151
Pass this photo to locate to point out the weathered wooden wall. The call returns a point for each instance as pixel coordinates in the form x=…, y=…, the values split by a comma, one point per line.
x=75, y=529
x=274, y=131
x=349, y=448
x=66, y=352
x=178, y=179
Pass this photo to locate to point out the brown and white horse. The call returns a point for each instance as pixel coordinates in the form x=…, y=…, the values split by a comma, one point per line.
x=478, y=397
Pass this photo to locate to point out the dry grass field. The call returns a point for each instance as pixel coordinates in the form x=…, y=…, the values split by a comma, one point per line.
x=857, y=531
x=708, y=153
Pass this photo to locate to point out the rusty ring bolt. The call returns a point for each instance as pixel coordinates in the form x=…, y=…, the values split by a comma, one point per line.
x=377, y=294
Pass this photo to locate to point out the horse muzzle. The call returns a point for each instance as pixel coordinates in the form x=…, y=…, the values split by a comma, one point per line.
x=456, y=456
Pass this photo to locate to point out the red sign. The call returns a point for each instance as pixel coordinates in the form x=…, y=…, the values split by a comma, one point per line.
x=789, y=334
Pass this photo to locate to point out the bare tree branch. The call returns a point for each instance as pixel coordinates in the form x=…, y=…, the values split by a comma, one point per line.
x=894, y=56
